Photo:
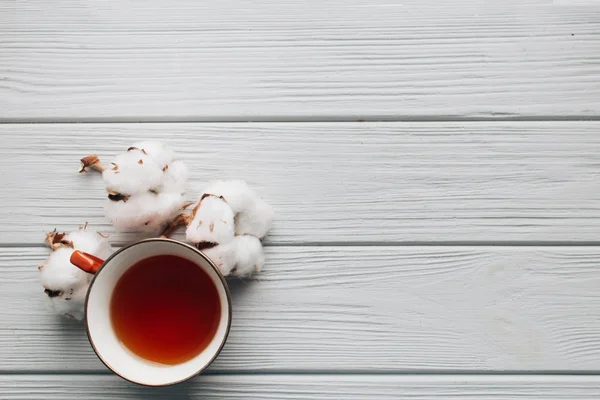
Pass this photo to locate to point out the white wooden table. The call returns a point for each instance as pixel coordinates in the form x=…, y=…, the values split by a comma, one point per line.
x=434, y=165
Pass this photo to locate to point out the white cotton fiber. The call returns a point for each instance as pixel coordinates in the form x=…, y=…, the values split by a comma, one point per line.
x=253, y=216
x=57, y=273
x=162, y=154
x=132, y=172
x=249, y=256
x=147, y=188
x=64, y=284
x=256, y=220
x=175, y=177
x=223, y=256
x=73, y=308
x=212, y=222
x=240, y=257
x=144, y=212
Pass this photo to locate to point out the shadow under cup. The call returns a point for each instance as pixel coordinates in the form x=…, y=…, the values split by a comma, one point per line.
x=103, y=338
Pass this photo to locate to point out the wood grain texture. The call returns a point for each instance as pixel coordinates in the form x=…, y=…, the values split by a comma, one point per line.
x=272, y=59
x=369, y=309
x=351, y=387
x=332, y=182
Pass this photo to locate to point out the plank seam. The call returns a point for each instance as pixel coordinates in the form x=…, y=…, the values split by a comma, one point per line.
x=425, y=373
x=274, y=119
x=384, y=244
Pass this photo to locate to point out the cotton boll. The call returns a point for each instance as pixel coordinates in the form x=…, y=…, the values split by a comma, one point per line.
x=249, y=256
x=240, y=257
x=212, y=222
x=133, y=172
x=253, y=216
x=175, y=177
x=144, y=212
x=58, y=274
x=133, y=214
x=237, y=193
x=256, y=220
x=223, y=256
x=146, y=186
x=73, y=308
x=162, y=154
x=64, y=284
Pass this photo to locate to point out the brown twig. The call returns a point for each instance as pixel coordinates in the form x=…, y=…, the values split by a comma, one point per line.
x=91, y=161
x=186, y=205
x=181, y=219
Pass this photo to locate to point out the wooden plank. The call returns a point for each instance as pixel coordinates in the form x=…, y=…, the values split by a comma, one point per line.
x=351, y=387
x=333, y=182
x=276, y=59
x=353, y=309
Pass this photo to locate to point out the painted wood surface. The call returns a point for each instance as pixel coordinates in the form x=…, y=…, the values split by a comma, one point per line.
x=274, y=60
x=282, y=387
x=342, y=183
x=447, y=255
x=361, y=309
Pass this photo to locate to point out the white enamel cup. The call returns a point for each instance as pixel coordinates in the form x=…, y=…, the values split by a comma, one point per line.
x=100, y=332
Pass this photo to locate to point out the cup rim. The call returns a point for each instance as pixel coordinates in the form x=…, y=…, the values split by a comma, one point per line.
x=210, y=263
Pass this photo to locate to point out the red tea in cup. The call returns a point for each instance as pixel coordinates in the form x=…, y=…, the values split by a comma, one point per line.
x=165, y=309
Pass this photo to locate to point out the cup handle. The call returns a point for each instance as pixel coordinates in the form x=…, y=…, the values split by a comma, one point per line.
x=86, y=262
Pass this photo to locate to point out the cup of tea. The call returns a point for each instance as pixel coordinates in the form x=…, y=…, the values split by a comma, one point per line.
x=158, y=311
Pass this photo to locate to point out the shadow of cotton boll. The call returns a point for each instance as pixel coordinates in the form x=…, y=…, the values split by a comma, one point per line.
x=71, y=327
x=240, y=289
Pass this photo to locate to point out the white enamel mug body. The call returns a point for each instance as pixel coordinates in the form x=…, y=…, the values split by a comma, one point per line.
x=100, y=332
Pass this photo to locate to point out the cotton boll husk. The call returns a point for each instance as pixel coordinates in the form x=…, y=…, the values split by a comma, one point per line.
x=175, y=177
x=240, y=257
x=59, y=275
x=162, y=154
x=144, y=212
x=90, y=242
x=253, y=216
x=133, y=172
x=212, y=222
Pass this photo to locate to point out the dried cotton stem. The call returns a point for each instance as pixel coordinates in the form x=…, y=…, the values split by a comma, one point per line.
x=91, y=161
x=56, y=240
x=181, y=219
